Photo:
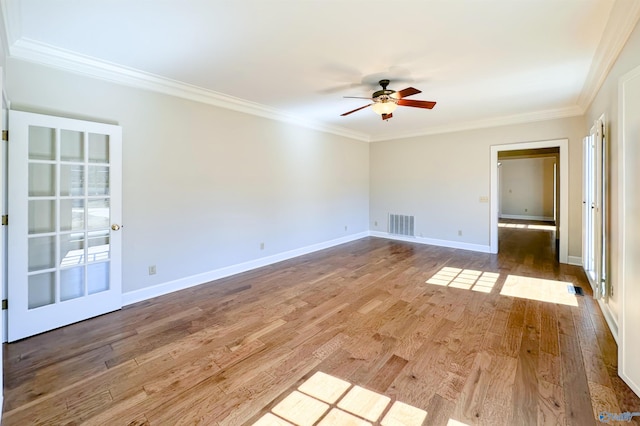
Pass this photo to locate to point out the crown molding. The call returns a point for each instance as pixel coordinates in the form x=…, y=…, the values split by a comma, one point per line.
x=11, y=25
x=37, y=52
x=34, y=51
x=532, y=117
x=623, y=18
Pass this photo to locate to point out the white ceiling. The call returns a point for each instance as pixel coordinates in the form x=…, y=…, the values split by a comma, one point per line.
x=483, y=62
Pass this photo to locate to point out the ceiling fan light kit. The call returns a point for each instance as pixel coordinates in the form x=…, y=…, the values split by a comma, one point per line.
x=385, y=101
x=386, y=106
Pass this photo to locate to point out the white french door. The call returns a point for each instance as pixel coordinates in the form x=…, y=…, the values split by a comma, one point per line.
x=594, y=254
x=588, y=205
x=64, y=221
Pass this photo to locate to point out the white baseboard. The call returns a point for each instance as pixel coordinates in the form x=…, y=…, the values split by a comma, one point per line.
x=194, y=280
x=433, y=242
x=574, y=260
x=611, y=320
x=526, y=217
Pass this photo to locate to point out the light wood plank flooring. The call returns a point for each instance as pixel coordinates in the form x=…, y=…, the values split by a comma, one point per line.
x=228, y=352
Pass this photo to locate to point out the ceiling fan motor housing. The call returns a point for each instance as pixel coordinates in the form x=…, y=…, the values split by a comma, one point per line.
x=384, y=94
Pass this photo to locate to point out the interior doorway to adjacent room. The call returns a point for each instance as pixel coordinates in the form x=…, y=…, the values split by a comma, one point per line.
x=556, y=209
x=528, y=191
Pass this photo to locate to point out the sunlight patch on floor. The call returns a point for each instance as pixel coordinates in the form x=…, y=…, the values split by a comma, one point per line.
x=527, y=226
x=324, y=387
x=466, y=279
x=542, y=227
x=452, y=422
x=512, y=225
x=325, y=400
x=538, y=289
x=365, y=403
x=300, y=409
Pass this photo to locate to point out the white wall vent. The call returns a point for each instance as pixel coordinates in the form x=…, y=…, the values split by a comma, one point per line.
x=401, y=225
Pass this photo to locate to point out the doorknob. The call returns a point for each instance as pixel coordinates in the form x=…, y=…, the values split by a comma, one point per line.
x=115, y=227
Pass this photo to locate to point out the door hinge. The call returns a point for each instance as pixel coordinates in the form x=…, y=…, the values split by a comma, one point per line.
x=5, y=304
x=5, y=219
x=5, y=135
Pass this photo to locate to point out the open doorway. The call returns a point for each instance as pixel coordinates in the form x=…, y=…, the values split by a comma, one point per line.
x=528, y=194
x=560, y=200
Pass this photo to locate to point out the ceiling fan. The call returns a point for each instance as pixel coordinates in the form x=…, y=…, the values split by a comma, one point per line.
x=385, y=101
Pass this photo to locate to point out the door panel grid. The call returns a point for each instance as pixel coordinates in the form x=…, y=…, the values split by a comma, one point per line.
x=66, y=265
x=60, y=227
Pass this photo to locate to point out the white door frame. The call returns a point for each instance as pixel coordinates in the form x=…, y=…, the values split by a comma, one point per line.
x=628, y=248
x=563, y=225
x=3, y=232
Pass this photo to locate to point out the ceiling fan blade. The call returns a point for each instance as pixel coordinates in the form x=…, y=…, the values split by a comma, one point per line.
x=408, y=92
x=417, y=104
x=357, y=109
x=387, y=116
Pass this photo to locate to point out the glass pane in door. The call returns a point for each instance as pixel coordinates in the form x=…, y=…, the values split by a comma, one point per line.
x=98, y=214
x=98, y=277
x=42, y=216
x=42, y=144
x=98, y=148
x=42, y=180
x=71, y=283
x=42, y=253
x=42, y=290
x=98, y=180
x=71, y=146
x=72, y=214
x=71, y=180
x=72, y=249
x=98, y=246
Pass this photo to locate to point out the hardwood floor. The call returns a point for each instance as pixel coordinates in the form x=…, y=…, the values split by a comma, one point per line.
x=229, y=352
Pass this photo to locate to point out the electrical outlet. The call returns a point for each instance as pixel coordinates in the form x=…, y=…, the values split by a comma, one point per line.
x=375, y=223
x=459, y=232
x=345, y=227
x=261, y=246
x=526, y=210
x=152, y=270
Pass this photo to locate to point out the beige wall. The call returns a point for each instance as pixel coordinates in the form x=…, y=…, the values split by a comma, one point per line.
x=527, y=187
x=440, y=179
x=204, y=186
x=606, y=102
